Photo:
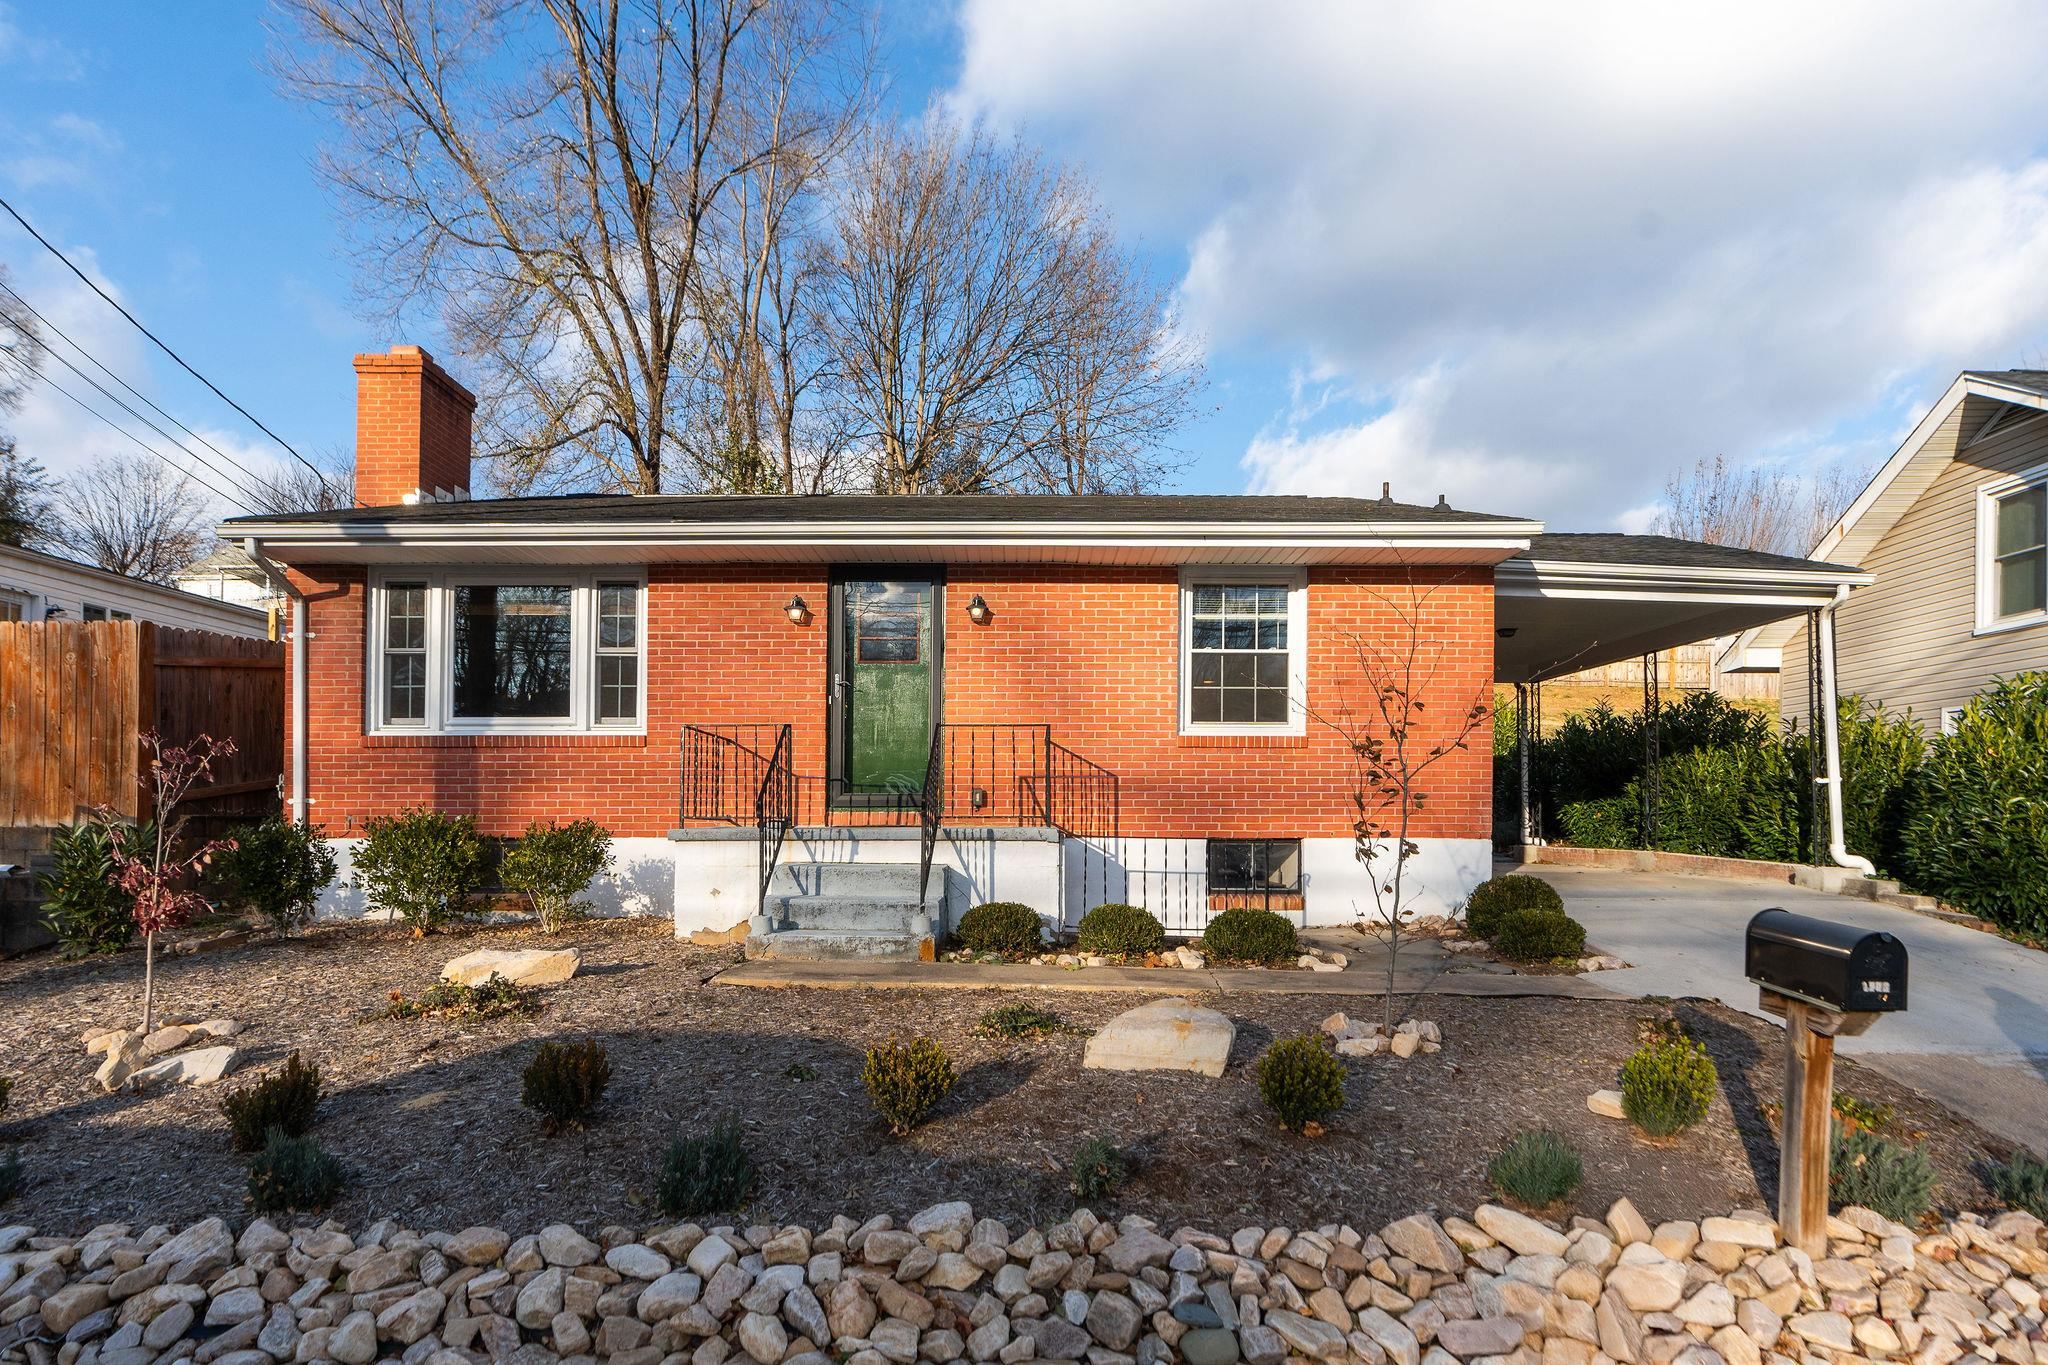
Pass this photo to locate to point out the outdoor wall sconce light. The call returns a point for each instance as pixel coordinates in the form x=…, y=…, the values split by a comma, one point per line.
x=979, y=798
x=798, y=611
x=978, y=612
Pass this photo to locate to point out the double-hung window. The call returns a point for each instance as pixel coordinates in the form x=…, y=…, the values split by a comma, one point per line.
x=523, y=651
x=2012, y=552
x=1242, y=652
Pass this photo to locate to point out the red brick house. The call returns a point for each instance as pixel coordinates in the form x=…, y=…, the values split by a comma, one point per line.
x=1054, y=700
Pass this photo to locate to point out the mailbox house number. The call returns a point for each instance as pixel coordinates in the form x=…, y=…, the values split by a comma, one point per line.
x=1878, y=987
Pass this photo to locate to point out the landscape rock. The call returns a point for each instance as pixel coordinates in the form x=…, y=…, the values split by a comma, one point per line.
x=1165, y=1035
x=202, y=1066
x=520, y=966
x=1607, y=1104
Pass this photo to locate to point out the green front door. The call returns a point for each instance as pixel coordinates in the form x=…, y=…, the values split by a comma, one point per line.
x=887, y=673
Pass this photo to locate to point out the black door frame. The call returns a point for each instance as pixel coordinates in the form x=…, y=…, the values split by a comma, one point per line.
x=838, y=717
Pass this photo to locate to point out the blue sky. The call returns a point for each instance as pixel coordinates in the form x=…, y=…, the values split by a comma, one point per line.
x=1536, y=260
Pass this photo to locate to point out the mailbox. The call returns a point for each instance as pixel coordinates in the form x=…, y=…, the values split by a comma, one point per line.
x=1838, y=967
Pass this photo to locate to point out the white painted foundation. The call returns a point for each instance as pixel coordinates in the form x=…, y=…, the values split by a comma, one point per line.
x=709, y=878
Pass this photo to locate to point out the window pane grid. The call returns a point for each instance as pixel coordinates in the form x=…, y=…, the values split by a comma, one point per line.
x=1249, y=865
x=405, y=654
x=2020, y=557
x=618, y=653
x=1238, y=654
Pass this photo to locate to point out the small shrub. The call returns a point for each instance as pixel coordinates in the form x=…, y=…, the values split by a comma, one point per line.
x=797, y=1071
x=564, y=1082
x=12, y=1177
x=1876, y=1173
x=421, y=866
x=710, y=1173
x=293, y=1174
x=1000, y=927
x=1491, y=900
x=1667, y=1085
x=1021, y=1021
x=1248, y=935
x=1099, y=1170
x=277, y=869
x=452, y=1000
x=1536, y=1169
x=1115, y=930
x=81, y=904
x=2022, y=1183
x=1302, y=1081
x=1538, y=936
x=284, y=1101
x=906, y=1081
x=1854, y=1112
x=551, y=864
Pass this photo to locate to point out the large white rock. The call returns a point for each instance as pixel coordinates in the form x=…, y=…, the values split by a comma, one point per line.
x=1166, y=1035
x=202, y=1066
x=520, y=966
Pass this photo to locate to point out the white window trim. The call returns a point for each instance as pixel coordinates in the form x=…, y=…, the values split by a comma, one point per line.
x=1989, y=622
x=440, y=718
x=1296, y=583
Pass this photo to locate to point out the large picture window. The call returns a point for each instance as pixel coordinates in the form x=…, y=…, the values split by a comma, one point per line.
x=514, y=651
x=1241, y=664
x=2012, y=574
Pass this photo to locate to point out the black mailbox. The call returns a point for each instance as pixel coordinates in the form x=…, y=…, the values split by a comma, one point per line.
x=1836, y=966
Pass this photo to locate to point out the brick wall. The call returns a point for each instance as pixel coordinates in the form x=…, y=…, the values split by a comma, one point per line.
x=1090, y=651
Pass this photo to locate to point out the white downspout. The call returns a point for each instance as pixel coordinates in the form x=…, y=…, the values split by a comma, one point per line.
x=254, y=550
x=1832, y=739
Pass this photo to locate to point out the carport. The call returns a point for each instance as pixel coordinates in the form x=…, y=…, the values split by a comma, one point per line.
x=1577, y=601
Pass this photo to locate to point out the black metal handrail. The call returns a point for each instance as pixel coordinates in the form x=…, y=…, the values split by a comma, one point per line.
x=931, y=807
x=775, y=809
x=976, y=774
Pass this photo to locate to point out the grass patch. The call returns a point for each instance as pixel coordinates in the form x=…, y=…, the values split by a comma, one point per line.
x=492, y=999
x=1022, y=1021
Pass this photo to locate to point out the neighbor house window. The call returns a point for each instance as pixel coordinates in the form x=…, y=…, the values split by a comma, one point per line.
x=1241, y=665
x=2018, y=568
x=12, y=608
x=93, y=611
x=512, y=651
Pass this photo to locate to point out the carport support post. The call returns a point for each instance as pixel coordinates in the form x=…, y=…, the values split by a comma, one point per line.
x=1522, y=754
x=1807, y=1125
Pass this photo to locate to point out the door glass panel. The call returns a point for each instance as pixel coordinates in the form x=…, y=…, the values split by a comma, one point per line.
x=888, y=633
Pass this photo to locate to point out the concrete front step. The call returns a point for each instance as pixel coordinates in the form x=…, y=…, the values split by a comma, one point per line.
x=892, y=881
x=851, y=914
x=821, y=945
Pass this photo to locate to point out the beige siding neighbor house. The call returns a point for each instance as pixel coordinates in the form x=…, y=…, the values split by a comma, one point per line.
x=1955, y=529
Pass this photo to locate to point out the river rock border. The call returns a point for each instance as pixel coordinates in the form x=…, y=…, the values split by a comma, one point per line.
x=1499, y=1288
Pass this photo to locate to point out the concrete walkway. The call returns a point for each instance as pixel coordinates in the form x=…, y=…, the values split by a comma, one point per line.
x=970, y=976
x=1975, y=1032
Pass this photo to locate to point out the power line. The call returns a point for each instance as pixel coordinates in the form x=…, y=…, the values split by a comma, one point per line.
x=136, y=322
x=142, y=397
x=230, y=475
x=173, y=464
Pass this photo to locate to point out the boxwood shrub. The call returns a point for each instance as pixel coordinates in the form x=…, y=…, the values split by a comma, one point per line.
x=1301, y=1080
x=1251, y=935
x=1490, y=900
x=1000, y=927
x=1115, y=930
x=1667, y=1085
x=1538, y=936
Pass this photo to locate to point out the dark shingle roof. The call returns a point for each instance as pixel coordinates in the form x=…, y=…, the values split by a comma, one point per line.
x=1027, y=507
x=1604, y=547
x=2034, y=381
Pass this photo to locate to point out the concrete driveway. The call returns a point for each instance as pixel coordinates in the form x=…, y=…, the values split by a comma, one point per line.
x=1975, y=1032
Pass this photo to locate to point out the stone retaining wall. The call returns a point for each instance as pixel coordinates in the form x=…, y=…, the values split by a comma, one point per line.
x=1497, y=1289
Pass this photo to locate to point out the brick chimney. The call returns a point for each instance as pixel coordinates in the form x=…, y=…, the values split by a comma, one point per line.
x=412, y=429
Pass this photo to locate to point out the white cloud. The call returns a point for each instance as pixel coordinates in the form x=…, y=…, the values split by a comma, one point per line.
x=1549, y=255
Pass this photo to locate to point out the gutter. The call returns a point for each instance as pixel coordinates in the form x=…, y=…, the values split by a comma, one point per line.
x=299, y=635
x=1832, y=741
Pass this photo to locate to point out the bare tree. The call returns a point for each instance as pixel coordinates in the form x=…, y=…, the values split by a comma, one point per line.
x=21, y=346
x=988, y=335
x=1394, y=742
x=544, y=172
x=1121, y=380
x=329, y=486
x=132, y=515
x=1755, y=507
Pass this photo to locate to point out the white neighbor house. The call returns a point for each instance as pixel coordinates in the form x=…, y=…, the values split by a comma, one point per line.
x=1955, y=529
x=40, y=587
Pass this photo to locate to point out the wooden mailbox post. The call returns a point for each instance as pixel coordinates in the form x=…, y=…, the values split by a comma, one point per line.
x=1825, y=980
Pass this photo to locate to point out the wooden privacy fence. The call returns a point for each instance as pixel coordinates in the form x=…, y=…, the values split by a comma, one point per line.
x=74, y=696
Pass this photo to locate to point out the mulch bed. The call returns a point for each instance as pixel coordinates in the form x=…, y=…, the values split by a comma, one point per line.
x=426, y=1112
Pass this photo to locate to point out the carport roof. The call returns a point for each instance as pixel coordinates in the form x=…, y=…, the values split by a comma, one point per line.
x=1573, y=601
